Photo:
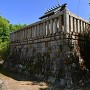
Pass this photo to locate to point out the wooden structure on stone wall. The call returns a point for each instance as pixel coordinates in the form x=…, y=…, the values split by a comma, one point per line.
x=48, y=45
x=61, y=21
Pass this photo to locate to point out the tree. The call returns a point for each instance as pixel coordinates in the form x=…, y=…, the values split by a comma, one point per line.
x=4, y=27
x=16, y=27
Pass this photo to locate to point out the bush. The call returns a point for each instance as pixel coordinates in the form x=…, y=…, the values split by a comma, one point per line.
x=4, y=50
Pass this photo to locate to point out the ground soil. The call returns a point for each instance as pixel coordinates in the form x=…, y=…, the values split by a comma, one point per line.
x=13, y=84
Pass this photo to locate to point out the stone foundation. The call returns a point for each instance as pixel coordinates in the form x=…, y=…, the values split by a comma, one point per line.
x=53, y=59
x=50, y=49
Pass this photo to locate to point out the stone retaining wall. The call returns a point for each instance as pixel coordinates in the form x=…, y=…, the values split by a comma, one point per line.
x=51, y=59
x=49, y=49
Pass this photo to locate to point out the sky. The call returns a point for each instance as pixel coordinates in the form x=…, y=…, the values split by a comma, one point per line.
x=29, y=11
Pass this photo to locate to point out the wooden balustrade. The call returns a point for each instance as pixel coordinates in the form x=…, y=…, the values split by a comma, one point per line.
x=64, y=21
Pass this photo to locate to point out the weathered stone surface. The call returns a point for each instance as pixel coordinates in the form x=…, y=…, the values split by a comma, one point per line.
x=54, y=57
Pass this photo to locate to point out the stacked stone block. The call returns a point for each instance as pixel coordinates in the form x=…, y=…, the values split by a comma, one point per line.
x=47, y=49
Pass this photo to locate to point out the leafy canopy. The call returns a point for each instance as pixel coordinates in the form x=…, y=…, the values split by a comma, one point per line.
x=5, y=29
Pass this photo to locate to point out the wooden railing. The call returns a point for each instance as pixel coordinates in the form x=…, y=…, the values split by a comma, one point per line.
x=63, y=21
x=76, y=24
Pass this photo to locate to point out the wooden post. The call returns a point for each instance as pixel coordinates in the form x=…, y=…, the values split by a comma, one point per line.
x=44, y=29
x=41, y=30
x=55, y=21
x=51, y=26
x=75, y=25
x=38, y=30
x=66, y=21
x=71, y=24
x=47, y=28
x=78, y=26
x=60, y=24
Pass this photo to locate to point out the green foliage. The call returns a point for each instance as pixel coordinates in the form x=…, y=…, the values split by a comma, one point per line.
x=4, y=50
x=5, y=29
x=16, y=27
